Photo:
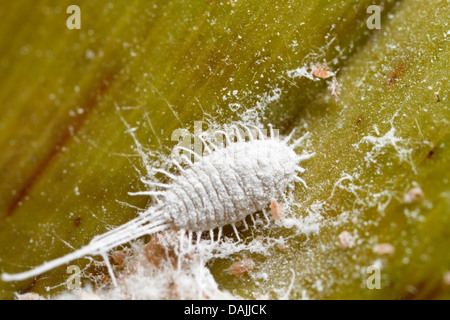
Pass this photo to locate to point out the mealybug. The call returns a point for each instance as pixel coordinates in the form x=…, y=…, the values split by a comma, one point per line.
x=221, y=188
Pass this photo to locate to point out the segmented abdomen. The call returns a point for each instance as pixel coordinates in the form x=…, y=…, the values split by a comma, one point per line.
x=231, y=183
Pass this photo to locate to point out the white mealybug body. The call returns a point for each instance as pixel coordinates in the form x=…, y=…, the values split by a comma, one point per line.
x=219, y=189
x=229, y=184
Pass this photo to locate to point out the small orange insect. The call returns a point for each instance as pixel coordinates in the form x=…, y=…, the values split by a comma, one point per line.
x=241, y=267
x=277, y=210
x=106, y=279
x=384, y=249
x=321, y=71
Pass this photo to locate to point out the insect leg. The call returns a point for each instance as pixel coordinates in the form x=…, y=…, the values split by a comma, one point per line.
x=236, y=232
x=210, y=145
x=110, y=270
x=146, y=193
x=297, y=142
x=180, y=256
x=155, y=184
x=289, y=137
x=189, y=241
x=183, y=156
x=227, y=138
x=196, y=155
x=211, y=234
x=261, y=134
x=245, y=224
x=207, y=148
x=169, y=175
x=298, y=179
x=272, y=135
x=250, y=134
x=305, y=157
x=265, y=216
x=300, y=169
x=238, y=133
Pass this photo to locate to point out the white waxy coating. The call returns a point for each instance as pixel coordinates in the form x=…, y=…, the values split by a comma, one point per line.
x=229, y=184
x=220, y=189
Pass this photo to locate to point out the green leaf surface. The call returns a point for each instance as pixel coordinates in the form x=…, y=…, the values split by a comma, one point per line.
x=67, y=162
